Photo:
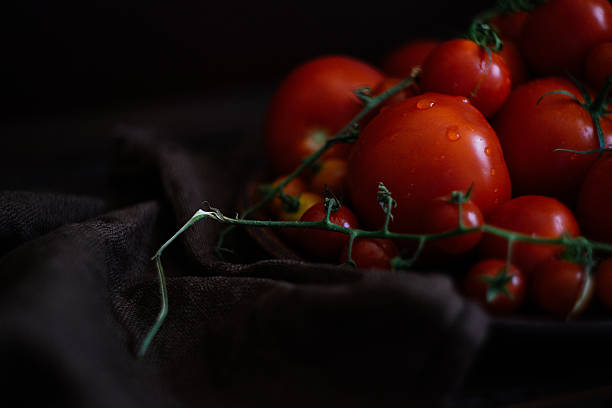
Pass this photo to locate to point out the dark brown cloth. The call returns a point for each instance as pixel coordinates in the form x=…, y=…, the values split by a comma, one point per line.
x=79, y=292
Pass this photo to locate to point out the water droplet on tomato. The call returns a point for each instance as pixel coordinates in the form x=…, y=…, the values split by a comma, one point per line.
x=492, y=172
x=465, y=100
x=424, y=104
x=488, y=151
x=452, y=133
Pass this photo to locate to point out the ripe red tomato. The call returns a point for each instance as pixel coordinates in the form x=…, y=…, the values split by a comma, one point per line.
x=595, y=201
x=599, y=64
x=371, y=253
x=510, y=25
x=423, y=148
x=530, y=133
x=331, y=174
x=441, y=215
x=321, y=244
x=312, y=104
x=556, y=285
x=558, y=35
x=486, y=278
x=402, y=61
x=463, y=68
x=603, y=283
x=513, y=59
x=538, y=216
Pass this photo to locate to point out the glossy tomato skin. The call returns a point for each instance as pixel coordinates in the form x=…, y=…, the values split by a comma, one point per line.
x=324, y=245
x=313, y=103
x=599, y=64
x=530, y=132
x=476, y=288
x=371, y=253
x=513, y=59
x=538, y=216
x=558, y=35
x=402, y=61
x=461, y=67
x=556, y=285
x=423, y=148
x=595, y=201
x=441, y=215
x=603, y=283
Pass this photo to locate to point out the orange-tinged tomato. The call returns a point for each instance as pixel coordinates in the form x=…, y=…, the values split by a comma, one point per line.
x=294, y=188
x=331, y=174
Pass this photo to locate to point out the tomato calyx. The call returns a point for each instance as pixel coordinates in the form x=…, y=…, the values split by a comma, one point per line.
x=597, y=108
x=485, y=35
x=497, y=285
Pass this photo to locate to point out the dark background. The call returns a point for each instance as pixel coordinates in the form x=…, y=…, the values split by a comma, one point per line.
x=63, y=56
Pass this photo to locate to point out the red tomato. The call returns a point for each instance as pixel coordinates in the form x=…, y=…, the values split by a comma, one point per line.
x=486, y=278
x=325, y=245
x=559, y=34
x=463, y=68
x=512, y=57
x=599, y=64
x=595, y=201
x=423, y=148
x=603, y=283
x=305, y=200
x=331, y=174
x=556, y=286
x=441, y=215
x=402, y=61
x=530, y=133
x=371, y=253
x=311, y=105
x=384, y=86
x=538, y=216
x=510, y=25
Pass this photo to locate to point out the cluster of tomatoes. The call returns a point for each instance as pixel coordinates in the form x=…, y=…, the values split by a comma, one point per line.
x=506, y=123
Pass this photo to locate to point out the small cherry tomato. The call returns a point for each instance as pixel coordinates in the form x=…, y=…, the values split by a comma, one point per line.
x=537, y=216
x=441, y=215
x=530, y=132
x=509, y=25
x=371, y=253
x=401, y=62
x=558, y=35
x=500, y=291
x=305, y=201
x=603, y=283
x=556, y=286
x=599, y=64
x=423, y=148
x=595, y=201
x=325, y=245
x=331, y=174
x=311, y=105
x=294, y=188
x=462, y=67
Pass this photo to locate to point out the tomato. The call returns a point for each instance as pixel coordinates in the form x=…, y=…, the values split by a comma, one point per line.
x=559, y=34
x=595, y=201
x=441, y=215
x=423, y=148
x=486, y=284
x=556, y=286
x=599, y=64
x=510, y=25
x=371, y=253
x=311, y=105
x=401, y=62
x=463, y=68
x=513, y=59
x=294, y=188
x=530, y=133
x=538, y=216
x=331, y=174
x=325, y=245
x=603, y=283
x=384, y=86
x=305, y=201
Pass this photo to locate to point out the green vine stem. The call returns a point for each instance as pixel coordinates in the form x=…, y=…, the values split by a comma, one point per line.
x=347, y=134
